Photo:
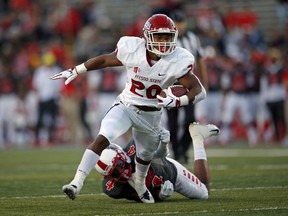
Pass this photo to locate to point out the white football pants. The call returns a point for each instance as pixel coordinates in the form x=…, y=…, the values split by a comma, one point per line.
x=146, y=126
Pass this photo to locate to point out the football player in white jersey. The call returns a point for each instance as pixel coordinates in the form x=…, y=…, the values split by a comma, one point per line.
x=153, y=63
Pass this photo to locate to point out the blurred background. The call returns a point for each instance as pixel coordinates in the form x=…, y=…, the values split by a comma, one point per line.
x=244, y=44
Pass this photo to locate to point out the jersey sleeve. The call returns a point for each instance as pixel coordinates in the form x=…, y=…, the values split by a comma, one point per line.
x=185, y=62
x=126, y=46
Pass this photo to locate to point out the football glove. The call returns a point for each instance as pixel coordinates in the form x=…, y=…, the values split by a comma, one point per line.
x=70, y=74
x=163, y=148
x=170, y=101
x=167, y=189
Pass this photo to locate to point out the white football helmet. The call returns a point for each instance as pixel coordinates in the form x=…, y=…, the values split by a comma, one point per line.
x=160, y=24
x=114, y=163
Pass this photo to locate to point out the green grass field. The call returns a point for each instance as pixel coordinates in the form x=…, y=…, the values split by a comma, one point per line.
x=244, y=181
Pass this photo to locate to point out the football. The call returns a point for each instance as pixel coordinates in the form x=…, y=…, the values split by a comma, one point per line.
x=177, y=90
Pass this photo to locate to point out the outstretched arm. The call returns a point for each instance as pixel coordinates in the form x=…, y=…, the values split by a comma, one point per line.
x=98, y=62
x=103, y=61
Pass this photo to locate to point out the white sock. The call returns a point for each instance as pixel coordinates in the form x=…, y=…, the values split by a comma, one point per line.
x=140, y=177
x=199, y=150
x=88, y=162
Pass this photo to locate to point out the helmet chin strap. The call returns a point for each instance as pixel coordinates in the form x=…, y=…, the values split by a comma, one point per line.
x=158, y=55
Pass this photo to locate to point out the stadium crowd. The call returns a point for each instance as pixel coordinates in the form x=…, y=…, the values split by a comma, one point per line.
x=247, y=70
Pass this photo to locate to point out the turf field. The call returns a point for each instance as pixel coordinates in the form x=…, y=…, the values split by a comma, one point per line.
x=244, y=181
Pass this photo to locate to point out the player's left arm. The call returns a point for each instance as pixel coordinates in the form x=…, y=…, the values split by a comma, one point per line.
x=196, y=91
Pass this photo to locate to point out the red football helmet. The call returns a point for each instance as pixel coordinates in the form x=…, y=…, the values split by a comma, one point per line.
x=114, y=163
x=160, y=24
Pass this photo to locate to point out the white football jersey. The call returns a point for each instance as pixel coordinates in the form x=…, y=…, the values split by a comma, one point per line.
x=144, y=81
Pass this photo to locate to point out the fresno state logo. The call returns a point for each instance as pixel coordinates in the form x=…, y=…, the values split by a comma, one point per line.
x=147, y=25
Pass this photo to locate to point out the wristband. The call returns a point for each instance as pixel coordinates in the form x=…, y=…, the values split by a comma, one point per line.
x=184, y=100
x=200, y=96
x=80, y=69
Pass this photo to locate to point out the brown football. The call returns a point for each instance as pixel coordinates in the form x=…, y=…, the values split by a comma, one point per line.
x=177, y=90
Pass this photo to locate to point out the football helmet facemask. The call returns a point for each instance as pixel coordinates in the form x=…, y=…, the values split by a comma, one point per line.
x=114, y=163
x=160, y=24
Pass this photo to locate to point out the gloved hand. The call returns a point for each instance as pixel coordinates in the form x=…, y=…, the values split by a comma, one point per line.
x=170, y=101
x=163, y=148
x=167, y=189
x=70, y=74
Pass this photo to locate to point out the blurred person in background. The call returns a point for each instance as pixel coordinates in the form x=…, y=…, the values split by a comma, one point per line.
x=274, y=93
x=180, y=138
x=24, y=132
x=8, y=104
x=48, y=95
x=73, y=108
x=285, y=82
x=256, y=69
x=69, y=109
x=236, y=102
x=84, y=106
x=106, y=84
x=210, y=109
x=281, y=9
x=208, y=23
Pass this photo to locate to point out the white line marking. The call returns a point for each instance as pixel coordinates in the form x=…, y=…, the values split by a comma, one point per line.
x=102, y=194
x=206, y=211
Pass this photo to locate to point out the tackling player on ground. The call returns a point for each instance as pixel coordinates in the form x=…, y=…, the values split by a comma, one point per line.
x=152, y=63
x=165, y=175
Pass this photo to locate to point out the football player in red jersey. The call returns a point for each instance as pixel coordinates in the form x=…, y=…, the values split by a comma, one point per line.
x=165, y=175
x=152, y=63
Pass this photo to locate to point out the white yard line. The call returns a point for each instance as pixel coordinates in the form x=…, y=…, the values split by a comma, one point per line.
x=272, y=208
x=102, y=194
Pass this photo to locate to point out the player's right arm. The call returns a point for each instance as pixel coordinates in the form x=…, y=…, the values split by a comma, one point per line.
x=98, y=62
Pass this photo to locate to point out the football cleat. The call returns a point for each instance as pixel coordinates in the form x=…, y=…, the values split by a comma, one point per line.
x=204, y=131
x=147, y=197
x=71, y=191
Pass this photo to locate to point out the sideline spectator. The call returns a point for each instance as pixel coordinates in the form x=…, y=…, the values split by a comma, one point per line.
x=274, y=92
x=48, y=93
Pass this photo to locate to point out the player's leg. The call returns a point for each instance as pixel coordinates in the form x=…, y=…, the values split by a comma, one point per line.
x=147, y=133
x=187, y=183
x=141, y=169
x=198, y=134
x=115, y=123
x=145, y=153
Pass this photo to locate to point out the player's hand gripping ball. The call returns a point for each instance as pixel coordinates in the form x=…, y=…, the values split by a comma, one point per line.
x=170, y=97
